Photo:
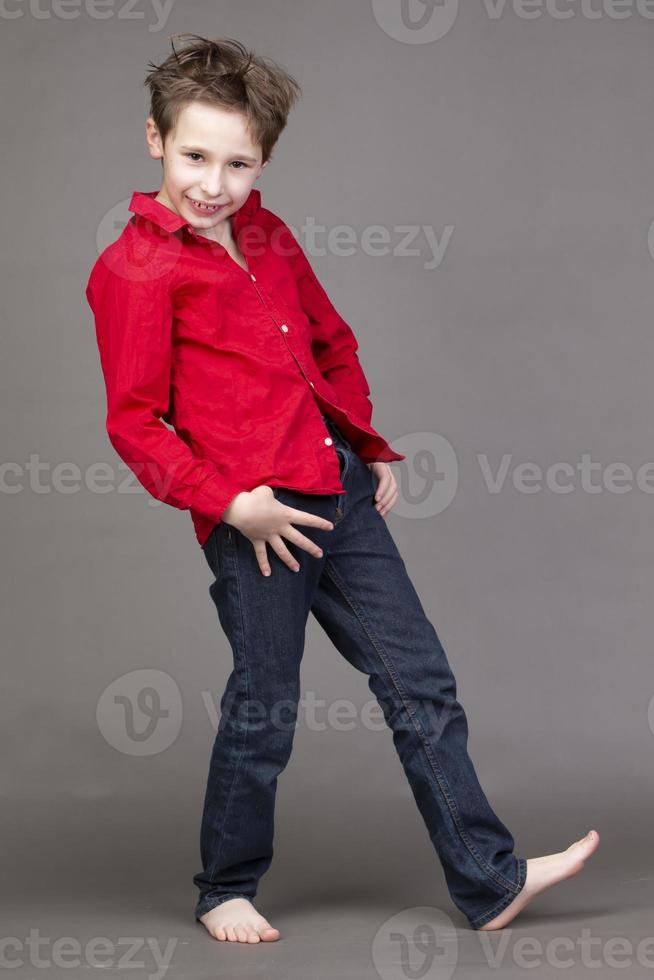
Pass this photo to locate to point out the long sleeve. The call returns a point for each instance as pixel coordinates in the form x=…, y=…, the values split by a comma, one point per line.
x=133, y=318
x=334, y=345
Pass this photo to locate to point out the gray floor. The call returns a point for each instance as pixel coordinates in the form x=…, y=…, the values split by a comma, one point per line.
x=371, y=902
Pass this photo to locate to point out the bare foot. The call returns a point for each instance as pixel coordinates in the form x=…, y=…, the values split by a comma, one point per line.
x=542, y=872
x=237, y=920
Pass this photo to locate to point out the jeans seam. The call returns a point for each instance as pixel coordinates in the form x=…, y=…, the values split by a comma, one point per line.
x=491, y=913
x=214, y=860
x=440, y=777
x=200, y=910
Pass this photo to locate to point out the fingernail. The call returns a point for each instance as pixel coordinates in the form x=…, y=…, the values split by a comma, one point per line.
x=267, y=572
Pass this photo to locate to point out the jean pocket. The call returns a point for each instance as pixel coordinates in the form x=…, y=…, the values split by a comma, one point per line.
x=344, y=461
x=212, y=549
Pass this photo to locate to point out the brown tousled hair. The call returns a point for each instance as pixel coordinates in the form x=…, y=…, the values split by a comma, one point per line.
x=222, y=72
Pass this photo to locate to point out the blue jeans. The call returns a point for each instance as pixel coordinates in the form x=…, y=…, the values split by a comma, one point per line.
x=361, y=594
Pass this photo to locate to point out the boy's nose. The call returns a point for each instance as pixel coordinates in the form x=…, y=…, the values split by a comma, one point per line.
x=211, y=191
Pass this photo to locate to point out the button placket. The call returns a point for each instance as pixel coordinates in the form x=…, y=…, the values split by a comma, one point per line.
x=284, y=328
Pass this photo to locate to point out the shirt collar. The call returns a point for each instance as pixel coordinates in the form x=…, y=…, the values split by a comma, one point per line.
x=144, y=204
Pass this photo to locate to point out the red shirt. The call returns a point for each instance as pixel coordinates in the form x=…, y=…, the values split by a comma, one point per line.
x=241, y=364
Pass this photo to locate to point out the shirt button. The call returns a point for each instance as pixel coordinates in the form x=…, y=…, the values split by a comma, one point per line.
x=312, y=384
x=328, y=441
x=284, y=328
x=253, y=277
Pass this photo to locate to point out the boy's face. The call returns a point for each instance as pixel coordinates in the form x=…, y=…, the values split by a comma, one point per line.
x=209, y=158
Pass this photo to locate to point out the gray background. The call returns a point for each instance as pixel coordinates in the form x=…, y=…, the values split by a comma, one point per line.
x=533, y=139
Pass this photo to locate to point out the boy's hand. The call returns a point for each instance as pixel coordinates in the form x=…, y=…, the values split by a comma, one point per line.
x=386, y=493
x=262, y=518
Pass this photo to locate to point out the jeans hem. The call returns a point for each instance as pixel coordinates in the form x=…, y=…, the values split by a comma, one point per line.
x=491, y=913
x=211, y=903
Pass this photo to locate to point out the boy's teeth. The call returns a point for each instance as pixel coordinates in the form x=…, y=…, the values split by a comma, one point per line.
x=205, y=207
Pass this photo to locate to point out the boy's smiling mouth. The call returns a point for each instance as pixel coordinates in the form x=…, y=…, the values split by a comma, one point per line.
x=202, y=207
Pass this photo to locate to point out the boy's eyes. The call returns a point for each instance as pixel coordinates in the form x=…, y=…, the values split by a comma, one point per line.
x=192, y=154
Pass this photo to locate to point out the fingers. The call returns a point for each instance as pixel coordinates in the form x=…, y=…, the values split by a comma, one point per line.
x=276, y=542
x=306, y=517
x=302, y=541
x=261, y=556
x=386, y=493
x=278, y=546
x=387, y=502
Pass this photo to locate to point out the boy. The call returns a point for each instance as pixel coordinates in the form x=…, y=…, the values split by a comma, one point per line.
x=210, y=317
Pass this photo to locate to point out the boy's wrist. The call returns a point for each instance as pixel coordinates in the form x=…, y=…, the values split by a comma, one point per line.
x=233, y=506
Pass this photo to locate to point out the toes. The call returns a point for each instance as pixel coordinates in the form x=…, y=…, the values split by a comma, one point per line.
x=248, y=930
x=582, y=840
x=591, y=838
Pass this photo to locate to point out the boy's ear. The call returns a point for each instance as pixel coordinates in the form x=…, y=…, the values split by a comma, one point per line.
x=153, y=139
